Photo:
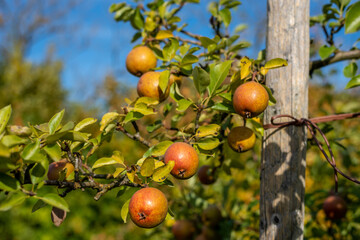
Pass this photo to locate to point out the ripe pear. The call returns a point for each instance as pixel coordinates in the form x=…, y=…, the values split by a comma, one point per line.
x=241, y=139
x=55, y=168
x=148, y=207
x=334, y=207
x=211, y=216
x=183, y=229
x=140, y=60
x=186, y=160
x=205, y=175
x=148, y=86
x=250, y=99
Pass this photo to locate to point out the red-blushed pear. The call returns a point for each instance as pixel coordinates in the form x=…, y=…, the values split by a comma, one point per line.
x=140, y=60
x=334, y=207
x=211, y=216
x=148, y=207
x=183, y=229
x=55, y=169
x=148, y=86
x=186, y=160
x=205, y=175
x=241, y=139
x=250, y=99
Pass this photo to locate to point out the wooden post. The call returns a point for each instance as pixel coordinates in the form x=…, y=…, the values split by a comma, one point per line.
x=283, y=158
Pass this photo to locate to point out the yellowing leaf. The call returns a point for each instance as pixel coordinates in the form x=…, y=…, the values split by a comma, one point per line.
x=107, y=119
x=125, y=210
x=163, y=34
x=263, y=71
x=147, y=168
x=118, y=171
x=207, y=130
x=245, y=65
x=161, y=173
x=276, y=63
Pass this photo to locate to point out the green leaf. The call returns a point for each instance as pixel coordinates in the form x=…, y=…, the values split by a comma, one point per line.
x=105, y=161
x=352, y=20
x=325, y=51
x=161, y=173
x=240, y=28
x=159, y=149
x=272, y=100
x=84, y=124
x=350, y=70
x=239, y=45
x=39, y=204
x=170, y=49
x=164, y=34
x=276, y=63
x=8, y=183
x=189, y=59
x=107, y=119
x=208, y=130
x=30, y=150
x=175, y=93
x=5, y=114
x=38, y=172
x=13, y=200
x=257, y=126
x=354, y=82
x=147, y=100
x=53, y=151
x=164, y=80
x=133, y=116
x=116, y=6
x=125, y=210
x=208, y=143
x=201, y=79
x=13, y=140
x=148, y=167
x=137, y=20
x=218, y=73
x=55, y=121
x=183, y=104
x=55, y=200
x=223, y=107
x=225, y=16
x=206, y=42
x=153, y=127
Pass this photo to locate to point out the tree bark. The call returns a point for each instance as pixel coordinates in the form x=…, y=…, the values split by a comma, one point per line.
x=283, y=158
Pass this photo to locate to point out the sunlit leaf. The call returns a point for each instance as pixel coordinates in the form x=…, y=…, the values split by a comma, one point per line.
x=352, y=20
x=5, y=114
x=276, y=63
x=164, y=34
x=161, y=173
x=354, y=82
x=125, y=210
x=55, y=121
x=148, y=167
x=207, y=130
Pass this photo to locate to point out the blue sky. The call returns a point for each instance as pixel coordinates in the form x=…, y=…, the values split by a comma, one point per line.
x=97, y=45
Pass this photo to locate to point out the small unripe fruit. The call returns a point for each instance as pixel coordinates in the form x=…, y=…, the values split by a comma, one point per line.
x=241, y=139
x=205, y=175
x=148, y=86
x=183, y=229
x=334, y=207
x=148, y=207
x=250, y=99
x=211, y=216
x=140, y=60
x=186, y=160
x=55, y=168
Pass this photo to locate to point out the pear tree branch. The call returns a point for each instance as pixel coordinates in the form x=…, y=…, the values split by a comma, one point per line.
x=337, y=57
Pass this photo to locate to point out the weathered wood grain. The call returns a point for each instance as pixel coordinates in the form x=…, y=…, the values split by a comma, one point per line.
x=283, y=157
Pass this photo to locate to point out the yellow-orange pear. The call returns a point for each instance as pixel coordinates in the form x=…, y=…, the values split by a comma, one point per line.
x=148, y=86
x=140, y=60
x=241, y=139
x=250, y=99
x=148, y=207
